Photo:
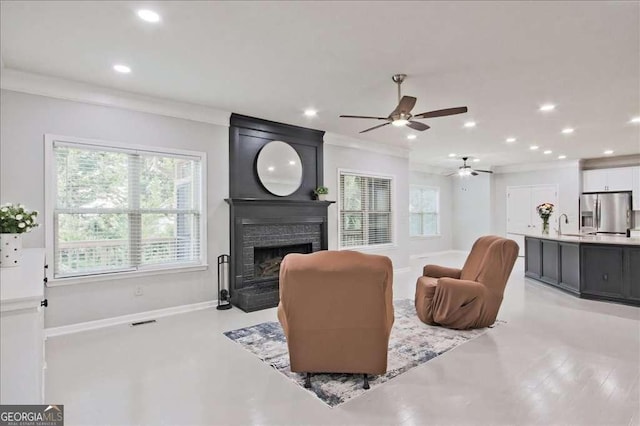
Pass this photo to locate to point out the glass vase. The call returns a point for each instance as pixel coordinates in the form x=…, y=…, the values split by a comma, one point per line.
x=545, y=226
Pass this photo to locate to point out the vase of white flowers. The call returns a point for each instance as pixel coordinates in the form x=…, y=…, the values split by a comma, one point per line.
x=544, y=211
x=15, y=220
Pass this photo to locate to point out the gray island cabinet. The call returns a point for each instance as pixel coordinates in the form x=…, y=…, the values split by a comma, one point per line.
x=593, y=267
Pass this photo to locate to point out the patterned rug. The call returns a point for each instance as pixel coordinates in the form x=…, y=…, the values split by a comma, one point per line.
x=412, y=343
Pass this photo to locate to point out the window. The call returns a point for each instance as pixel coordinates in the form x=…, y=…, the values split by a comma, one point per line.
x=117, y=209
x=424, y=206
x=365, y=210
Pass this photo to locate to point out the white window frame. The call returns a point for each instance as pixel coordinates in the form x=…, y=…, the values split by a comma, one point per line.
x=368, y=247
x=439, y=214
x=50, y=188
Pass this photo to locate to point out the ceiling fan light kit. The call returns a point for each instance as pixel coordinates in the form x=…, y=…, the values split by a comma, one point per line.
x=401, y=115
x=466, y=170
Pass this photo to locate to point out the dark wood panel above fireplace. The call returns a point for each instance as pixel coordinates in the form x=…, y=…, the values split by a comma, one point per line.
x=247, y=136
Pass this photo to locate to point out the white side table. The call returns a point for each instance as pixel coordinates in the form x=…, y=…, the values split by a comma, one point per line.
x=22, y=330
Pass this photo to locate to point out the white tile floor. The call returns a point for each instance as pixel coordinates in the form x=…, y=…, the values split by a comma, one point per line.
x=559, y=360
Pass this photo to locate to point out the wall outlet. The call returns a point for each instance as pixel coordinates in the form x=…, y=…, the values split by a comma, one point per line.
x=139, y=291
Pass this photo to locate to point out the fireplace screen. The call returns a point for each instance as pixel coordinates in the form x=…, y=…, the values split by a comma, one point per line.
x=267, y=259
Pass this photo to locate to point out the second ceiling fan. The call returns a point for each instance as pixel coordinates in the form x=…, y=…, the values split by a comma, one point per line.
x=401, y=116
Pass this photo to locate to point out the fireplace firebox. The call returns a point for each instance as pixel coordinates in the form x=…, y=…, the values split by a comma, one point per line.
x=266, y=260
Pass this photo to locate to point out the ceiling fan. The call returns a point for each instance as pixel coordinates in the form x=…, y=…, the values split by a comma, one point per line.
x=466, y=170
x=401, y=116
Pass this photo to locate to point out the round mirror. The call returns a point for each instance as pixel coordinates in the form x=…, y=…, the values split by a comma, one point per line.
x=279, y=168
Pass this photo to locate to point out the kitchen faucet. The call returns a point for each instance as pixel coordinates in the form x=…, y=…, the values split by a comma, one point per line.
x=566, y=221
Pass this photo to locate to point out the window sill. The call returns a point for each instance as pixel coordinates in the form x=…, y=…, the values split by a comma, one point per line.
x=374, y=248
x=57, y=282
x=426, y=237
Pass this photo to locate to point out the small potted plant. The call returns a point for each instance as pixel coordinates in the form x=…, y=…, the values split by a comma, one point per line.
x=321, y=193
x=15, y=220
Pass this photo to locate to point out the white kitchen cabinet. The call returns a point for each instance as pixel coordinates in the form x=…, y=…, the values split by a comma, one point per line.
x=22, y=331
x=607, y=180
x=635, y=187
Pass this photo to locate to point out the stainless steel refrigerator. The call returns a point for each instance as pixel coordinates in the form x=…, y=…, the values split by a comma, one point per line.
x=606, y=212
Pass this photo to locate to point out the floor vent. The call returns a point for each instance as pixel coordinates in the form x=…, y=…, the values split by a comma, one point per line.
x=133, y=324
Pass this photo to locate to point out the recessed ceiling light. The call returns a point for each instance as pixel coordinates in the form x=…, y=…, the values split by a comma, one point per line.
x=509, y=140
x=123, y=69
x=452, y=155
x=292, y=163
x=608, y=152
x=148, y=15
x=635, y=120
x=568, y=130
x=310, y=112
x=475, y=160
x=561, y=157
x=548, y=151
x=547, y=107
x=470, y=124
x=533, y=147
x=271, y=168
x=411, y=137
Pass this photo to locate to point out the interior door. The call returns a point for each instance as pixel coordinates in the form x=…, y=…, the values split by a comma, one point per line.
x=543, y=194
x=518, y=210
x=518, y=215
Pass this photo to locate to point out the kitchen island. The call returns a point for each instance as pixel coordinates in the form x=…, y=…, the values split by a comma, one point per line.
x=599, y=267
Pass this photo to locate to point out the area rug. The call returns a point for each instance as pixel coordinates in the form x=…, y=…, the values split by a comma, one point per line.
x=412, y=343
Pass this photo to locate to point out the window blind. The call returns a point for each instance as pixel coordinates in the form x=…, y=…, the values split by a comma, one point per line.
x=423, y=211
x=365, y=210
x=124, y=210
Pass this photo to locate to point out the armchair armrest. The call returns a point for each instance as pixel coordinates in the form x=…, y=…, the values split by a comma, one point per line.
x=437, y=271
x=471, y=289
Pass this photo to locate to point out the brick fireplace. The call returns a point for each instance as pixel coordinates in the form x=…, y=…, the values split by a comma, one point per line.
x=266, y=227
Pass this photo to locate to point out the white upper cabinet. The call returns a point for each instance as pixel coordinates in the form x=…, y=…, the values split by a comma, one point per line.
x=607, y=180
x=636, y=188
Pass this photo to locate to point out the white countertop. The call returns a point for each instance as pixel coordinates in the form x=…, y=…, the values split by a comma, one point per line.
x=22, y=287
x=589, y=239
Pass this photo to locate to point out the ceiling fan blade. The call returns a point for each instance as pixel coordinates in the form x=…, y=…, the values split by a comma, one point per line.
x=442, y=112
x=474, y=173
x=452, y=173
x=416, y=125
x=406, y=105
x=375, y=127
x=363, y=116
x=482, y=171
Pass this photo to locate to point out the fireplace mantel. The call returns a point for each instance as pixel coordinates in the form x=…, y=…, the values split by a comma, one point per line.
x=288, y=202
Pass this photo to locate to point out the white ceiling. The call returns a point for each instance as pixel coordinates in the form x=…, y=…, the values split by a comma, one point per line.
x=273, y=60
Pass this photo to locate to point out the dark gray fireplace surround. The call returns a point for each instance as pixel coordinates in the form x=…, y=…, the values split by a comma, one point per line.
x=265, y=227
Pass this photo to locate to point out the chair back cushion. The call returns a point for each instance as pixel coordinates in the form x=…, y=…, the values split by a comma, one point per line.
x=490, y=262
x=337, y=310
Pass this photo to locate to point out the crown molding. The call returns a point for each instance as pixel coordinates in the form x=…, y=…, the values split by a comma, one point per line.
x=54, y=87
x=380, y=148
x=528, y=167
x=415, y=166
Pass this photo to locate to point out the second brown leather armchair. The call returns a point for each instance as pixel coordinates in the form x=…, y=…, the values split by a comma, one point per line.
x=469, y=297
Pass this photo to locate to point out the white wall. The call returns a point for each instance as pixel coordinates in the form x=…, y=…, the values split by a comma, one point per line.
x=419, y=246
x=26, y=118
x=568, y=181
x=472, y=209
x=340, y=157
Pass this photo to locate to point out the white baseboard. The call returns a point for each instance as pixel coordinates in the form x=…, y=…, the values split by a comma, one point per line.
x=434, y=253
x=126, y=319
x=401, y=270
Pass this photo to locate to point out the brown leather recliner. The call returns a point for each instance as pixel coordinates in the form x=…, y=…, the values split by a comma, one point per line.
x=336, y=309
x=469, y=297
